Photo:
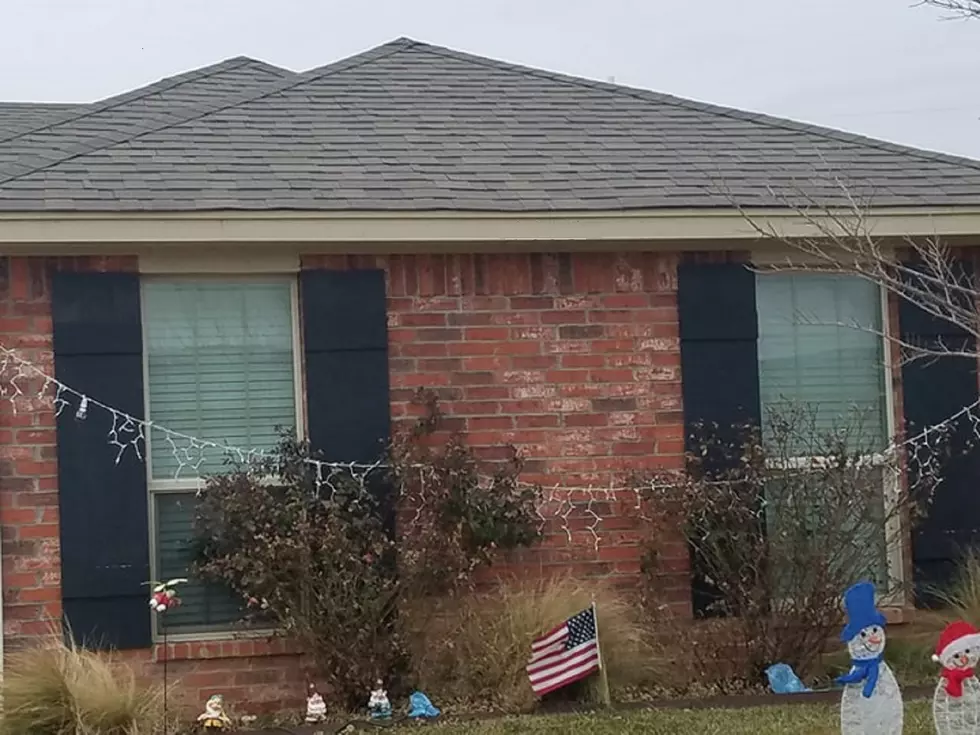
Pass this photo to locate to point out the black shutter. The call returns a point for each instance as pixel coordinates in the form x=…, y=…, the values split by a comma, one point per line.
x=103, y=503
x=345, y=333
x=933, y=389
x=719, y=368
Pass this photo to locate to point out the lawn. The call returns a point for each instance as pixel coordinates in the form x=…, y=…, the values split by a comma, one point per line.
x=796, y=719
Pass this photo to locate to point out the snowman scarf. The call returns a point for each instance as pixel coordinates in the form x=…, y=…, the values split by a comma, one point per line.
x=954, y=680
x=865, y=670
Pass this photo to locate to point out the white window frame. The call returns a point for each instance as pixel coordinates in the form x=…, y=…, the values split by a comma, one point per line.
x=192, y=485
x=895, y=535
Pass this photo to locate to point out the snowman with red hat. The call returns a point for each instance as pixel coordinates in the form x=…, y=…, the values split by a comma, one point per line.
x=956, y=702
x=872, y=701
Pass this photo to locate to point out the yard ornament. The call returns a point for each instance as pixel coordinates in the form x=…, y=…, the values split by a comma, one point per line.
x=783, y=680
x=214, y=719
x=165, y=595
x=378, y=705
x=871, y=703
x=316, y=708
x=164, y=598
x=956, y=702
x=421, y=708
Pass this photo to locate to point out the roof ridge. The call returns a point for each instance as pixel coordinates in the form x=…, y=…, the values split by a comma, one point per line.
x=206, y=109
x=707, y=107
x=266, y=66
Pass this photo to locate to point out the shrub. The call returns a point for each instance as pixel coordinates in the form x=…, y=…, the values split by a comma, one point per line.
x=55, y=688
x=313, y=553
x=313, y=561
x=457, y=518
x=477, y=649
x=779, y=527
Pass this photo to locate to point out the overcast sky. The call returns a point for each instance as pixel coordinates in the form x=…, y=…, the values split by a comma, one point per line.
x=885, y=68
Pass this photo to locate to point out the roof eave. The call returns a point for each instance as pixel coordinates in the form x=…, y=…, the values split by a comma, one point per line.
x=348, y=231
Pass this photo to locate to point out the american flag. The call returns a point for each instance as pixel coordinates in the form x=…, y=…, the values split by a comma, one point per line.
x=564, y=655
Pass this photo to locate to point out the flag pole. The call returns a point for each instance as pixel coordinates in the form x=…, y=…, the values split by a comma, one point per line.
x=604, y=696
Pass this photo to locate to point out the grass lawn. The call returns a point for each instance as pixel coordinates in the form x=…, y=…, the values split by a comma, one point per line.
x=798, y=720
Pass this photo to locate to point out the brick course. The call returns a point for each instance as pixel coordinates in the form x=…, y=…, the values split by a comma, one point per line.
x=572, y=358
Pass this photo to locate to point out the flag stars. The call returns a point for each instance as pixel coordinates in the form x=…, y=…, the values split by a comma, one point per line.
x=581, y=628
x=564, y=655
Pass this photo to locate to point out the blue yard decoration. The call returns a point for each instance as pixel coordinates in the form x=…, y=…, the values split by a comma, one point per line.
x=783, y=680
x=421, y=706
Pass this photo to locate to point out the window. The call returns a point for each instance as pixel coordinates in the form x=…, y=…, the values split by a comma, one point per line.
x=220, y=366
x=821, y=347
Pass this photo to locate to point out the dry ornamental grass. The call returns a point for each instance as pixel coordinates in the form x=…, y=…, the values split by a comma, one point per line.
x=476, y=651
x=58, y=689
x=962, y=599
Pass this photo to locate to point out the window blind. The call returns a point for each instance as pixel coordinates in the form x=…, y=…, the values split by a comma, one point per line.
x=203, y=606
x=820, y=346
x=220, y=368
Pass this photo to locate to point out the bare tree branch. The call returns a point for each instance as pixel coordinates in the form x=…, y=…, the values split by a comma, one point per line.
x=958, y=8
x=920, y=271
x=780, y=526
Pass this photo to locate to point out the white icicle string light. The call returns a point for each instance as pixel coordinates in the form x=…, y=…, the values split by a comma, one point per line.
x=129, y=433
x=558, y=505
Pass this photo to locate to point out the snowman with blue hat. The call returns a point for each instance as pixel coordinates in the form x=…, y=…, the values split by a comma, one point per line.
x=871, y=703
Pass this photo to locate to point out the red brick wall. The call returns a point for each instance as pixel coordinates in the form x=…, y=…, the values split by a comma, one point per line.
x=573, y=358
x=258, y=673
x=28, y=471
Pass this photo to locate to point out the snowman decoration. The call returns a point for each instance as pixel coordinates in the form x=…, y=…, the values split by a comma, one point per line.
x=871, y=703
x=956, y=702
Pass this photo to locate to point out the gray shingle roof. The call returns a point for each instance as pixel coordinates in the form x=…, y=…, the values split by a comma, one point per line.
x=19, y=117
x=62, y=137
x=410, y=126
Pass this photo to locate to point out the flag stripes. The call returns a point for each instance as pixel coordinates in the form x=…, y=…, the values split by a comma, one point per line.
x=565, y=654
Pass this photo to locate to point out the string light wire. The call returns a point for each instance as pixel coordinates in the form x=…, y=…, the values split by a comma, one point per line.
x=560, y=504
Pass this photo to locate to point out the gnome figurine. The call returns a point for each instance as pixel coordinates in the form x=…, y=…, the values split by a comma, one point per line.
x=871, y=703
x=316, y=708
x=956, y=702
x=214, y=719
x=378, y=704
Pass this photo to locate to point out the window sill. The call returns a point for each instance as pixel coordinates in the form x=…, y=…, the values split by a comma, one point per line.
x=224, y=646
x=898, y=613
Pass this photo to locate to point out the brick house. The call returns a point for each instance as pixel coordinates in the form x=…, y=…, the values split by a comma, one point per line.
x=562, y=258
